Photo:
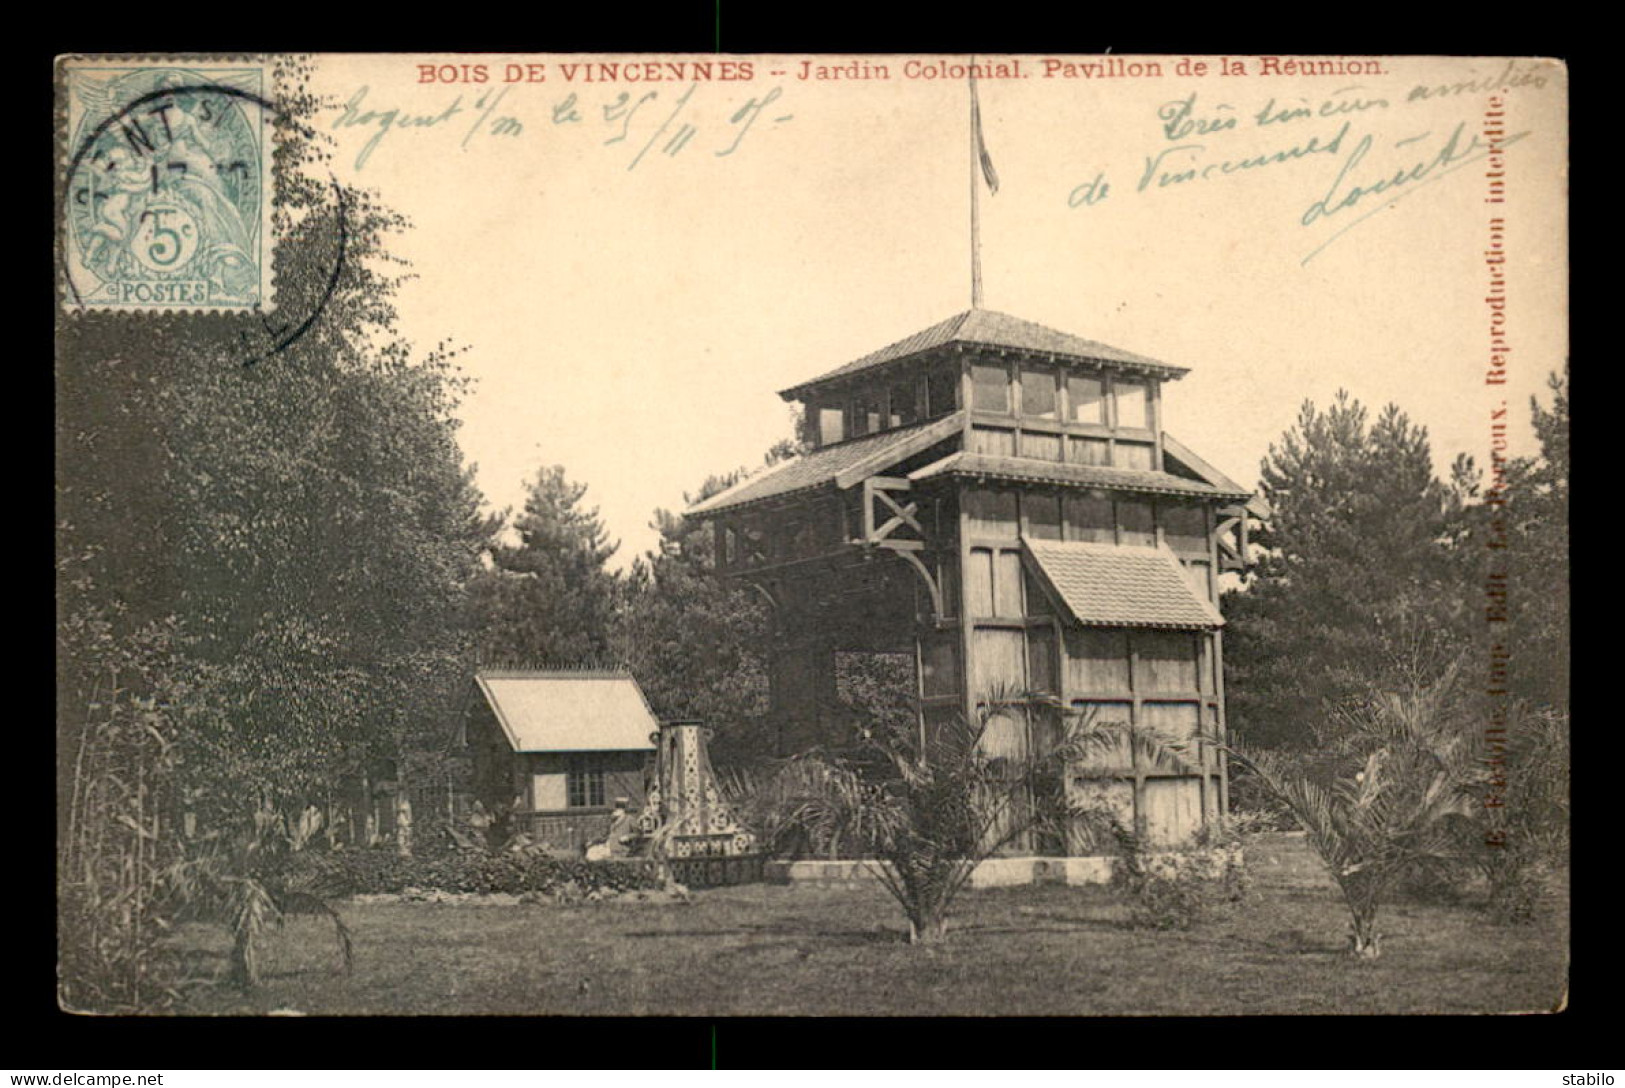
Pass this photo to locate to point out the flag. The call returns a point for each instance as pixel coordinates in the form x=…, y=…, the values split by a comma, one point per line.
x=990, y=175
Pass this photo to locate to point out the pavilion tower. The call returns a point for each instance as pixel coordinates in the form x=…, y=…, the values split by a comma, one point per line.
x=997, y=501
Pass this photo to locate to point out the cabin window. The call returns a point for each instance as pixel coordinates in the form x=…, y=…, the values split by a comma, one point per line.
x=831, y=426
x=586, y=786
x=1133, y=405
x=990, y=388
x=941, y=391
x=900, y=403
x=1086, y=398
x=1038, y=398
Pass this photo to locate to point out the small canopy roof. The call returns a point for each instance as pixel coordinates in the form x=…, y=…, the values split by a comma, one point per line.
x=1104, y=585
x=569, y=710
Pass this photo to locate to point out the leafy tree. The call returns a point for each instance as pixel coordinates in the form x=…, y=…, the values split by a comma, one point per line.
x=696, y=641
x=548, y=599
x=298, y=525
x=1356, y=586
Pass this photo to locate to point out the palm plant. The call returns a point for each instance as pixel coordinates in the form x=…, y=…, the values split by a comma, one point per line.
x=924, y=808
x=1392, y=786
x=254, y=882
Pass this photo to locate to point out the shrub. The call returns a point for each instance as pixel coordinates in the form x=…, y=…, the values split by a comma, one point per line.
x=1178, y=889
x=358, y=872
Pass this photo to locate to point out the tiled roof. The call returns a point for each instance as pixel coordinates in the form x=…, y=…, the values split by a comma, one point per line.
x=989, y=328
x=1057, y=472
x=827, y=465
x=1105, y=585
x=565, y=711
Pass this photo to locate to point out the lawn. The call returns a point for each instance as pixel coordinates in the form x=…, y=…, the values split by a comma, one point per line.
x=838, y=951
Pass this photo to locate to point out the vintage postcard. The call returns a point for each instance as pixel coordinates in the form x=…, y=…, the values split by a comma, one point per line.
x=714, y=534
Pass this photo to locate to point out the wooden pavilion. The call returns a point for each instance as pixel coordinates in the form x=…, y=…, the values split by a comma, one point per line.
x=997, y=502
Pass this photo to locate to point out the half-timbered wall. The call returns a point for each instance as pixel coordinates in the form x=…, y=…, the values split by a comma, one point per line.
x=1167, y=681
x=1023, y=408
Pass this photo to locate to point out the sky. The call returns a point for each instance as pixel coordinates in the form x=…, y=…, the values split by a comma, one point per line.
x=635, y=266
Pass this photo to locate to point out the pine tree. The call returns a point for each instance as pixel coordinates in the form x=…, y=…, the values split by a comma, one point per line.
x=1356, y=586
x=548, y=599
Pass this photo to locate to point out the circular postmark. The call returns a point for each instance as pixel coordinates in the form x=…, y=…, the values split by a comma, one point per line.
x=168, y=195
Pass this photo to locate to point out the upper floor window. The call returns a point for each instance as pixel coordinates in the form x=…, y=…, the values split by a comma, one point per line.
x=831, y=425
x=1087, y=398
x=941, y=390
x=1133, y=403
x=901, y=405
x=1038, y=394
x=990, y=388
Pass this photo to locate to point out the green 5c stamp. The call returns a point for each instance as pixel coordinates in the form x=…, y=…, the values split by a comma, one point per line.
x=167, y=186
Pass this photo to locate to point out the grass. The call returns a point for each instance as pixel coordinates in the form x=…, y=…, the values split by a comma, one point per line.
x=839, y=951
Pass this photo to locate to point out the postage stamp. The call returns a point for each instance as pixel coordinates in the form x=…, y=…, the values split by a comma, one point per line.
x=166, y=186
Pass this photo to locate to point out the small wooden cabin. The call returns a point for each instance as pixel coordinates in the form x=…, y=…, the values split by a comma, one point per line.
x=997, y=503
x=556, y=751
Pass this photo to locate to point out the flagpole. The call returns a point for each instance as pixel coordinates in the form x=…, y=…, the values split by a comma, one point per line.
x=975, y=211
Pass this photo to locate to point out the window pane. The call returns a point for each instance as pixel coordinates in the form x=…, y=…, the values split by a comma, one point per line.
x=938, y=663
x=831, y=426
x=1133, y=408
x=1007, y=584
x=1000, y=662
x=1038, y=393
x=1134, y=518
x=1089, y=519
x=991, y=388
x=1086, y=397
x=1043, y=515
x=979, y=583
x=902, y=404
